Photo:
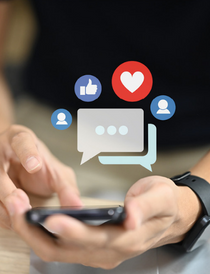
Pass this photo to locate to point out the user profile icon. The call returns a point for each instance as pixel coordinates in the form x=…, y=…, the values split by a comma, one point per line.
x=61, y=119
x=163, y=107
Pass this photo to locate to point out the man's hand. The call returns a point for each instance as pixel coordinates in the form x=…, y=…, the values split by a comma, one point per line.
x=27, y=165
x=153, y=209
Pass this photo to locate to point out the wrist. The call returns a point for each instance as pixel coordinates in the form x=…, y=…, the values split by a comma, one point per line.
x=201, y=169
x=189, y=211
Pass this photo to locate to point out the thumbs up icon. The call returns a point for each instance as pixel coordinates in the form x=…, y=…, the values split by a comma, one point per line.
x=90, y=89
x=87, y=88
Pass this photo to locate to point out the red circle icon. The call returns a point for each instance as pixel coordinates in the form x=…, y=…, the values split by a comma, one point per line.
x=132, y=81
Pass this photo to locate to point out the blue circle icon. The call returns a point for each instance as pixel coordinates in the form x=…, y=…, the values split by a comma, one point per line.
x=61, y=119
x=163, y=107
x=87, y=88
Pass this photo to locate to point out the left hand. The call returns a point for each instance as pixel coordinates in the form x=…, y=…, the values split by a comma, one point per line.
x=27, y=166
x=152, y=208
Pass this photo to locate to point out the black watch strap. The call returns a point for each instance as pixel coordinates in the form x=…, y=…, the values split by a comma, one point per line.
x=198, y=185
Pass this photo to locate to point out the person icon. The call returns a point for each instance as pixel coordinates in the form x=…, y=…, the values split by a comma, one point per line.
x=61, y=119
x=163, y=104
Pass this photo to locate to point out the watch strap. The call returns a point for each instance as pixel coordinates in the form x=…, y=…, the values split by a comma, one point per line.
x=198, y=185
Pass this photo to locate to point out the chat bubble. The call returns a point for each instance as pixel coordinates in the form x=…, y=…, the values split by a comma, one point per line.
x=109, y=130
x=146, y=161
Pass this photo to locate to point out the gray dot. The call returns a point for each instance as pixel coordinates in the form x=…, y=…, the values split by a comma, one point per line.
x=35, y=216
x=123, y=130
x=111, y=130
x=111, y=212
x=99, y=130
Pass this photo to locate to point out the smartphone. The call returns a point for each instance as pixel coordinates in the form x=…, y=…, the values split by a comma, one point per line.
x=89, y=215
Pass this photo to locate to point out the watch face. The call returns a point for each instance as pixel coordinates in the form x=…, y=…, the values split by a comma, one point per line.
x=199, y=234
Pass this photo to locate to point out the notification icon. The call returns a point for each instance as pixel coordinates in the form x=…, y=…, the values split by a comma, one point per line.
x=132, y=81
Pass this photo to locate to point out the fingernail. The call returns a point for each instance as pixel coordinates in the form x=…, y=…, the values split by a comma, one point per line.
x=32, y=163
x=55, y=229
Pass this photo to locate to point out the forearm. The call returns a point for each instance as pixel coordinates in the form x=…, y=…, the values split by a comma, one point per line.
x=202, y=168
x=6, y=105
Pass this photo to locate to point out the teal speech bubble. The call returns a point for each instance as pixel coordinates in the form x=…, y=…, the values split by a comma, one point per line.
x=145, y=161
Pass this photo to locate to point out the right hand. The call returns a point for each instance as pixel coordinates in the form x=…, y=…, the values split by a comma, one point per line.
x=27, y=165
x=154, y=217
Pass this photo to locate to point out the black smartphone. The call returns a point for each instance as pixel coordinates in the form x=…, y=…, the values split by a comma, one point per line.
x=89, y=215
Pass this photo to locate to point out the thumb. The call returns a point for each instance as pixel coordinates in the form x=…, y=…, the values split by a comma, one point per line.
x=133, y=213
x=90, y=82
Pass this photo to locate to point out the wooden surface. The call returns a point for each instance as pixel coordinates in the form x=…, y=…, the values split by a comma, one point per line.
x=14, y=253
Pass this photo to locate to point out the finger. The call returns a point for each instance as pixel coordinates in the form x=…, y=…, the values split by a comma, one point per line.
x=154, y=203
x=42, y=244
x=6, y=185
x=105, y=238
x=69, y=196
x=47, y=248
x=8, y=191
x=73, y=230
x=62, y=179
x=5, y=221
x=24, y=146
x=9, y=202
x=64, y=184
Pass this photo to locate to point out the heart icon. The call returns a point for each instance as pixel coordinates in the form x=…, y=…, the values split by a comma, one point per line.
x=132, y=82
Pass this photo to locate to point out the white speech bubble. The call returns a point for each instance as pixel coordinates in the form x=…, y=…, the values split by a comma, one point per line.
x=109, y=130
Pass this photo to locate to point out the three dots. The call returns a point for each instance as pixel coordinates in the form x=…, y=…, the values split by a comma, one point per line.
x=111, y=130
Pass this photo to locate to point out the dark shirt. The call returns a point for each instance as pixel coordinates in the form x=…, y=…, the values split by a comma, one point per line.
x=94, y=37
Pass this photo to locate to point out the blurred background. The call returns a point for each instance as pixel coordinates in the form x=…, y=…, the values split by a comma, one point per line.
x=94, y=179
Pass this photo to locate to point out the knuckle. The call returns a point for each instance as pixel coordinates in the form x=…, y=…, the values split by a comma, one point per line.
x=22, y=143
x=14, y=128
x=19, y=132
x=18, y=137
x=18, y=128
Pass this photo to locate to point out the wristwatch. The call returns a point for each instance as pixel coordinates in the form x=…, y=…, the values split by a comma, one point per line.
x=200, y=232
